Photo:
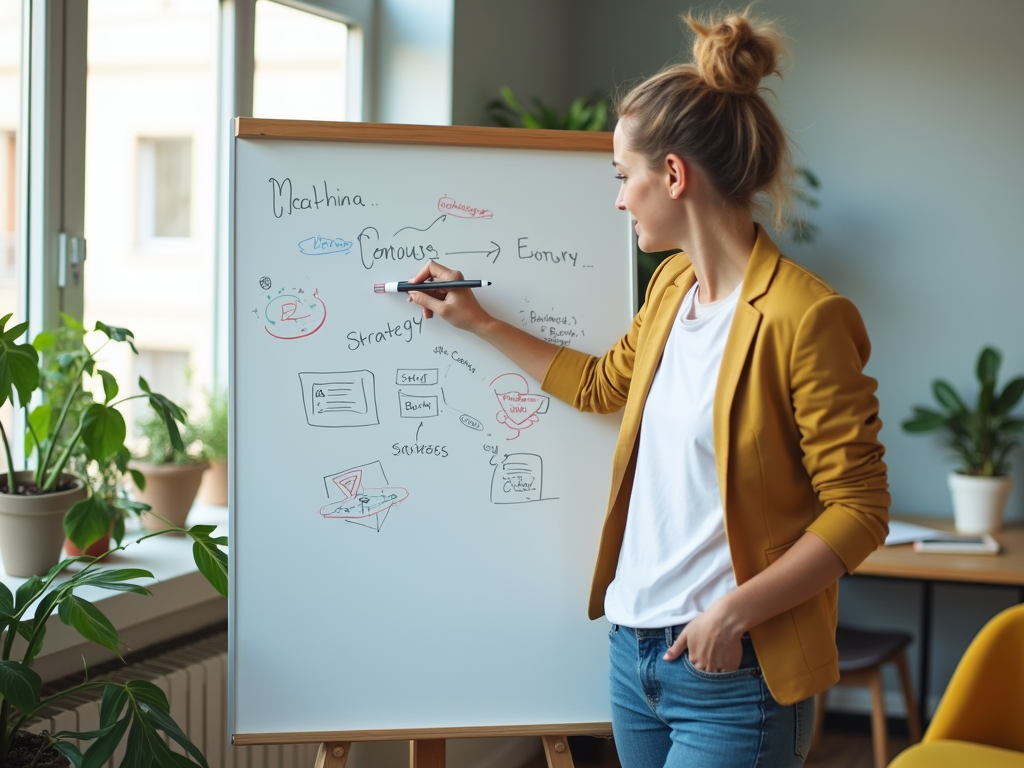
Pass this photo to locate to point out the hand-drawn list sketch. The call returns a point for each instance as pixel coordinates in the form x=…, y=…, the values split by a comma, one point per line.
x=292, y=313
x=361, y=495
x=560, y=329
x=339, y=399
x=519, y=408
x=517, y=479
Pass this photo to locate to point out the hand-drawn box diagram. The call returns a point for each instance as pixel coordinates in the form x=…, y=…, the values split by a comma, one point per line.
x=518, y=478
x=416, y=377
x=417, y=406
x=339, y=399
x=361, y=495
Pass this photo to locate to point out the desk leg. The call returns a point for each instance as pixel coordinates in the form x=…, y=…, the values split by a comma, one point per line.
x=924, y=658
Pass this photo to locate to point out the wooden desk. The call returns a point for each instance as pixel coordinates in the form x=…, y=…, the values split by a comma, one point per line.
x=902, y=562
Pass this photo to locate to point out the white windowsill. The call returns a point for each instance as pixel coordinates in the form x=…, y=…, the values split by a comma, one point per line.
x=182, y=600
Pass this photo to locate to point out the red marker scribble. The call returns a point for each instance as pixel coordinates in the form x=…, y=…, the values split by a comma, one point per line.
x=287, y=314
x=462, y=210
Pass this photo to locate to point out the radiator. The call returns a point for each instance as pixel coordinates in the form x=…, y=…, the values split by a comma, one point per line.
x=195, y=678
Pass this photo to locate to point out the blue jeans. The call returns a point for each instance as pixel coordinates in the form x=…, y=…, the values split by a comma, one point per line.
x=668, y=714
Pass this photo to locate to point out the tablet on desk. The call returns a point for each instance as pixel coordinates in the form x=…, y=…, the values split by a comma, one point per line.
x=983, y=544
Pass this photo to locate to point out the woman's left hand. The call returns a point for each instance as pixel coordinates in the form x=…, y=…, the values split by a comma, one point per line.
x=712, y=640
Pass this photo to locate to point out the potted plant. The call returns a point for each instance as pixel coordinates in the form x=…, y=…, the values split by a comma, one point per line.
x=212, y=430
x=582, y=115
x=171, y=473
x=135, y=708
x=982, y=437
x=39, y=507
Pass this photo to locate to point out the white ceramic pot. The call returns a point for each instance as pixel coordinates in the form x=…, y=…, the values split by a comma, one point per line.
x=979, y=502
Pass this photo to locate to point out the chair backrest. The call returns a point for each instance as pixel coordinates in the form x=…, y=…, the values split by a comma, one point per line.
x=984, y=702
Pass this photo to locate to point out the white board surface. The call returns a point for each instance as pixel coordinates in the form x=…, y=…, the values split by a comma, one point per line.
x=414, y=521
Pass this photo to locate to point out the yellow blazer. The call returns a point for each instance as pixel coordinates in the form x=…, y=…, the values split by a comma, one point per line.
x=796, y=440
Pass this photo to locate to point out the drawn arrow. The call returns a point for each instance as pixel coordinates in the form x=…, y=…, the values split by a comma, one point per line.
x=418, y=431
x=496, y=250
x=442, y=217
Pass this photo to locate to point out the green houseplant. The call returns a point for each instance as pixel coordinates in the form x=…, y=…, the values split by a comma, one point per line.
x=171, y=473
x=136, y=708
x=583, y=114
x=68, y=428
x=982, y=437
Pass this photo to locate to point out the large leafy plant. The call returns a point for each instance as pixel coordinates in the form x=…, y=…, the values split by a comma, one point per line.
x=70, y=429
x=582, y=115
x=136, y=709
x=982, y=436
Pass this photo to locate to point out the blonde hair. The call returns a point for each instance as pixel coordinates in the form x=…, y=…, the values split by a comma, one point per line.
x=714, y=111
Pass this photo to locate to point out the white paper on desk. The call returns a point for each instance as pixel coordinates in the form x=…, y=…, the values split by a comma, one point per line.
x=904, y=533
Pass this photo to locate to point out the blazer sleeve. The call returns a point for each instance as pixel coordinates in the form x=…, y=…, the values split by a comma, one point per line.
x=601, y=384
x=837, y=414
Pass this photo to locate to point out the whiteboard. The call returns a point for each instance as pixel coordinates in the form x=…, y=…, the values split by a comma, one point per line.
x=413, y=521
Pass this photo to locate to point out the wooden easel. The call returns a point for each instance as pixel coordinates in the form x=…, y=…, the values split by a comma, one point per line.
x=430, y=753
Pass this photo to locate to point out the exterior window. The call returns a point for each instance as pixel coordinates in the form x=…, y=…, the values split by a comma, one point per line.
x=300, y=64
x=165, y=188
x=150, y=188
x=10, y=100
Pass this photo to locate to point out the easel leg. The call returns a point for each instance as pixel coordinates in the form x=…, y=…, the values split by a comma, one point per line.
x=556, y=750
x=426, y=753
x=333, y=754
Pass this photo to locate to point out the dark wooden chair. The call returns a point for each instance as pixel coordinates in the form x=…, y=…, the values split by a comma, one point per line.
x=861, y=656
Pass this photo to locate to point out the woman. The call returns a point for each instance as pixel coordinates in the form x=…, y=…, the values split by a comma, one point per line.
x=748, y=476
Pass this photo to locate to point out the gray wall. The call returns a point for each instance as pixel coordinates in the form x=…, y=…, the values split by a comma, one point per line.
x=525, y=45
x=911, y=113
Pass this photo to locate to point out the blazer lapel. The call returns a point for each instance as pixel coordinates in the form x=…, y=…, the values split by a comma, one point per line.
x=758, y=276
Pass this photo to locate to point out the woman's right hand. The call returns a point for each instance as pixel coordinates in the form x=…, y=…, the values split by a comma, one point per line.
x=458, y=307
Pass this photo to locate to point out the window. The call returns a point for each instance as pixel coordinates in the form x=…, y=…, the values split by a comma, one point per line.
x=10, y=101
x=165, y=188
x=150, y=187
x=300, y=64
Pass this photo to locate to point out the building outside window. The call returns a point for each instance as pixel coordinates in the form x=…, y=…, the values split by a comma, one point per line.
x=165, y=188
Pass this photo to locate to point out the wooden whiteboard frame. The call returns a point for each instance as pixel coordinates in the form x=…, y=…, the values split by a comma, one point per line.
x=385, y=133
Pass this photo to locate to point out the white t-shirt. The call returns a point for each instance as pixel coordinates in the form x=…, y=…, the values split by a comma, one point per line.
x=674, y=561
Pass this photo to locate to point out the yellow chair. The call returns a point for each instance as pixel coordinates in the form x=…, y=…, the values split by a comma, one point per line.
x=980, y=719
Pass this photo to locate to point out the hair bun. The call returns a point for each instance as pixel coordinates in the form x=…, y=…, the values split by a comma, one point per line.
x=732, y=55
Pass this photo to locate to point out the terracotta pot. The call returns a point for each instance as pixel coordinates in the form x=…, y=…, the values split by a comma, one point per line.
x=214, y=488
x=170, y=491
x=97, y=548
x=32, y=527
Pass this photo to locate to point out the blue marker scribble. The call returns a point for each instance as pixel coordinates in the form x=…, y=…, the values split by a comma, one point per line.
x=319, y=246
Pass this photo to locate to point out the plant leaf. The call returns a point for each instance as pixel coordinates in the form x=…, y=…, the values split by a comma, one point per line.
x=114, y=333
x=947, y=396
x=211, y=561
x=88, y=521
x=1009, y=397
x=138, y=478
x=99, y=753
x=6, y=600
x=924, y=421
x=89, y=622
x=66, y=748
x=988, y=365
x=115, y=696
x=110, y=387
x=25, y=628
x=39, y=420
x=28, y=592
x=20, y=685
x=19, y=368
x=103, y=432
